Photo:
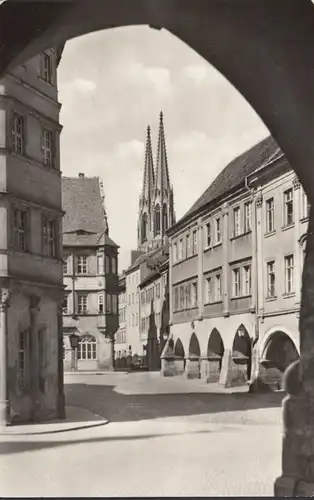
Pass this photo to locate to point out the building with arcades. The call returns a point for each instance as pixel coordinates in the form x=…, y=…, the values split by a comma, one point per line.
x=90, y=269
x=236, y=261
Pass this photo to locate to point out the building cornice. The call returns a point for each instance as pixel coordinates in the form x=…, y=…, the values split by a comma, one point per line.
x=37, y=91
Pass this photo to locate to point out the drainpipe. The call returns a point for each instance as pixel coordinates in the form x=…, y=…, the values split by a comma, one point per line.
x=253, y=194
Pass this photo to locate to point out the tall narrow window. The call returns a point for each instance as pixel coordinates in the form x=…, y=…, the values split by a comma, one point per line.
x=65, y=265
x=100, y=264
x=19, y=229
x=47, y=67
x=174, y=253
x=194, y=242
x=217, y=230
x=176, y=299
x=288, y=207
x=247, y=217
x=18, y=133
x=49, y=237
x=208, y=234
x=47, y=147
x=236, y=282
x=180, y=249
x=271, y=279
x=209, y=290
x=164, y=218
x=182, y=297
x=66, y=304
x=81, y=264
x=305, y=205
x=101, y=303
x=114, y=265
x=187, y=245
x=270, y=216
x=144, y=228
x=188, y=295
x=289, y=270
x=247, y=280
x=236, y=221
x=157, y=220
x=194, y=295
x=218, y=287
x=109, y=304
x=114, y=304
x=82, y=303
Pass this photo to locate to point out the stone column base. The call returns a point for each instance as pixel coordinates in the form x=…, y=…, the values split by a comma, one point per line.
x=5, y=413
x=233, y=371
x=192, y=368
x=210, y=369
x=167, y=367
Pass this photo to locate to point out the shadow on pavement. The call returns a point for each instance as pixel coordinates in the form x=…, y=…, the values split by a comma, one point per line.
x=11, y=447
x=116, y=407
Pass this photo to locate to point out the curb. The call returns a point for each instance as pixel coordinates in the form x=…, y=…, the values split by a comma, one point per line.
x=9, y=430
x=95, y=373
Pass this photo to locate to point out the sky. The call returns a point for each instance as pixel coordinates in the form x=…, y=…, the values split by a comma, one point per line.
x=114, y=83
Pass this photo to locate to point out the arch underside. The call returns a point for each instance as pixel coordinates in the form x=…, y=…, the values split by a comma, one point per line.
x=279, y=352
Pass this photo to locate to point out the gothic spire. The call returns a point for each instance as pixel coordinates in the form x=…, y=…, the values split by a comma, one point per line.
x=149, y=174
x=162, y=172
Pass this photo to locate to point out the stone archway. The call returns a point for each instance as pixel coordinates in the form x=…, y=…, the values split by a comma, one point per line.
x=279, y=352
x=179, y=358
x=211, y=364
x=240, y=362
x=192, y=368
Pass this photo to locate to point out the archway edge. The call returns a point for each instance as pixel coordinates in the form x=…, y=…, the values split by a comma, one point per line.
x=265, y=49
x=271, y=333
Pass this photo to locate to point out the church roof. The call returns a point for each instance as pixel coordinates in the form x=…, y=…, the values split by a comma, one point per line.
x=233, y=176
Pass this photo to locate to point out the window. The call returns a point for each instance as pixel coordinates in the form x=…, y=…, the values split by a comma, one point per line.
x=236, y=221
x=271, y=279
x=19, y=229
x=65, y=265
x=182, y=297
x=218, y=287
x=66, y=304
x=50, y=237
x=187, y=245
x=288, y=207
x=194, y=248
x=194, y=295
x=100, y=264
x=81, y=303
x=18, y=133
x=101, y=303
x=247, y=217
x=47, y=147
x=109, y=304
x=305, y=206
x=22, y=359
x=87, y=348
x=217, y=230
x=81, y=264
x=132, y=297
x=188, y=296
x=270, y=216
x=208, y=234
x=174, y=253
x=236, y=282
x=158, y=291
x=209, y=290
x=136, y=321
x=114, y=265
x=108, y=265
x=289, y=274
x=246, y=280
x=176, y=299
x=47, y=68
x=180, y=249
x=114, y=302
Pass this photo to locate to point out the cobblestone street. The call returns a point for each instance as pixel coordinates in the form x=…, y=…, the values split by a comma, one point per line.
x=164, y=437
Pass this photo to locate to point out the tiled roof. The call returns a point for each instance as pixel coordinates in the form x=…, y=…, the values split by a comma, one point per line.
x=155, y=273
x=142, y=258
x=83, y=206
x=234, y=174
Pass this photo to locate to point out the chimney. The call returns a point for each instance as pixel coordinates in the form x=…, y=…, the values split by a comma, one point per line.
x=81, y=175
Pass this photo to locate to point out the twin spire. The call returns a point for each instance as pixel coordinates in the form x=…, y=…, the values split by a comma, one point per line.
x=161, y=181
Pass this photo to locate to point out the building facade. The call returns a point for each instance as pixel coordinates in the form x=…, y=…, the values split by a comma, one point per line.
x=121, y=345
x=31, y=247
x=90, y=276
x=235, y=274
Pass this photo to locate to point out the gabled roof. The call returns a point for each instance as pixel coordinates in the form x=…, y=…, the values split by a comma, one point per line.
x=233, y=175
x=83, y=205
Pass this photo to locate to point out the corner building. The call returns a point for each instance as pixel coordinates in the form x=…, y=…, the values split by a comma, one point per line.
x=30, y=243
x=235, y=275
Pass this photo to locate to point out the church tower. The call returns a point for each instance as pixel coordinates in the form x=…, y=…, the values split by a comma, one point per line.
x=144, y=228
x=163, y=207
x=156, y=206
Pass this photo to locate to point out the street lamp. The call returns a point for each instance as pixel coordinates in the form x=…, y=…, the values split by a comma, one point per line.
x=74, y=341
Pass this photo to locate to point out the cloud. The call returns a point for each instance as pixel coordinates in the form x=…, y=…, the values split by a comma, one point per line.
x=157, y=77
x=84, y=86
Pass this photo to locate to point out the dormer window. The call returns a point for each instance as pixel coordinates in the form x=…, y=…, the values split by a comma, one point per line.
x=47, y=68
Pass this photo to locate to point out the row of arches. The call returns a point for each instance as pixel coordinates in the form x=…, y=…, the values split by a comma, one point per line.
x=278, y=352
